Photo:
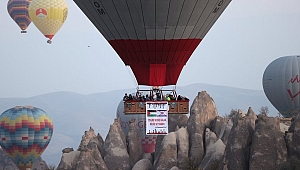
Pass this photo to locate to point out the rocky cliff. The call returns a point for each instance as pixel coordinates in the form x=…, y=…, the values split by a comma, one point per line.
x=204, y=140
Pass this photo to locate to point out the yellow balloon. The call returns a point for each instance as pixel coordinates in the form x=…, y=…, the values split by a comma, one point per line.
x=48, y=15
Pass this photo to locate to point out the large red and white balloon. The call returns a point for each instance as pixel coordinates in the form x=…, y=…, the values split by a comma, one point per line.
x=154, y=37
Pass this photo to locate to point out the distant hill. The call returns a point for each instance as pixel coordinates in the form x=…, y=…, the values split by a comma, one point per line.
x=73, y=113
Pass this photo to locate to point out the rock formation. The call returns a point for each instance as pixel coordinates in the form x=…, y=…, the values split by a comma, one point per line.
x=143, y=164
x=67, y=150
x=218, y=125
x=134, y=141
x=167, y=157
x=69, y=161
x=175, y=120
x=204, y=141
x=203, y=111
x=225, y=131
x=88, y=155
x=268, y=148
x=115, y=148
x=182, y=140
x=88, y=135
x=237, y=152
x=293, y=138
x=214, y=151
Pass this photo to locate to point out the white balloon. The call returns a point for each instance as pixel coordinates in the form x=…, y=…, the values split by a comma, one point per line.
x=281, y=85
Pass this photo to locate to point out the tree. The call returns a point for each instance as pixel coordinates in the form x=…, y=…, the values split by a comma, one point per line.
x=264, y=110
x=231, y=114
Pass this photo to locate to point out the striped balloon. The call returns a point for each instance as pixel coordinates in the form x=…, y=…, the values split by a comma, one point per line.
x=25, y=132
x=48, y=15
x=154, y=37
x=18, y=11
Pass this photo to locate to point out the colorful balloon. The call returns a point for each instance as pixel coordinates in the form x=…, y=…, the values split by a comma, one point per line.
x=281, y=83
x=154, y=37
x=18, y=11
x=25, y=132
x=48, y=16
x=148, y=141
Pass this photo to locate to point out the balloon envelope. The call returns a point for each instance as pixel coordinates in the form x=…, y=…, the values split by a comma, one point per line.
x=18, y=11
x=148, y=141
x=281, y=83
x=48, y=16
x=25, y=132
x=154, y=37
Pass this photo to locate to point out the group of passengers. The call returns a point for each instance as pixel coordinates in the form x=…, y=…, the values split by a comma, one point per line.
x=134, y=97
x=154, y=97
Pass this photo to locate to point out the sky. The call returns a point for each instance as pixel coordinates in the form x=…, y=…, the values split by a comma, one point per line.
x=247, y=37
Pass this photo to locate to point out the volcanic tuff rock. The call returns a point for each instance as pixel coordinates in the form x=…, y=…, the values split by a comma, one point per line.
x=174, y=121
x=115, y=148
x=214, y=155
x=148, y=156
x=174, y=168
x=173, y=151
x=203, y=111
x=210, y=137
x=87, y=156
x=91, y=158
x=268, y=149
x=293, y=138
x=167, y=157
x=237, y=152
x=143, y=164
x=225, y=131
x=67, y=150
x=182, y=139
x=206, y=141
x=218, y=125
x=69, y=161
x=101, y=144
x=134, y=141
x=86, y=139
x=214, y=151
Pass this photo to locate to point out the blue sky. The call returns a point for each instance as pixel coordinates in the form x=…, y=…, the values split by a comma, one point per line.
x=246, y=38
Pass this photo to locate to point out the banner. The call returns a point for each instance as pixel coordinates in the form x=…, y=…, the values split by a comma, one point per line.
x=157, y=117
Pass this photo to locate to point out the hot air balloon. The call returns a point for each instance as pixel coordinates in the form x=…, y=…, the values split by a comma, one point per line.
x=281, y=83
x=18, y=10
x=48, y=16
x=154, y=37
x=25, y=132
x=148, y=141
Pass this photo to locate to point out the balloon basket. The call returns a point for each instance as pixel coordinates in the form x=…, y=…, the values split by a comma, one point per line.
x=137, y=105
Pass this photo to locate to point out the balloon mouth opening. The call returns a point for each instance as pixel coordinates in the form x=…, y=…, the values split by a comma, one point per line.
x=25, y=167
x=49, y=36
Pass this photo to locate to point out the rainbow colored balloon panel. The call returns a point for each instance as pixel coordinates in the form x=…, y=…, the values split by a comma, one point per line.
x=18, y=10
x=25, y=132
